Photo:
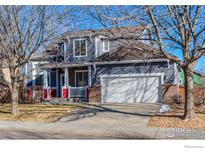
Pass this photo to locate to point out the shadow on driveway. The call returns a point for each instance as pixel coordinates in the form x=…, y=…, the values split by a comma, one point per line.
x=142, y=110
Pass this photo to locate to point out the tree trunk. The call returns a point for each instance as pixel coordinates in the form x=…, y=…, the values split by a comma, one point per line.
x=189, y=112
x=14, y=97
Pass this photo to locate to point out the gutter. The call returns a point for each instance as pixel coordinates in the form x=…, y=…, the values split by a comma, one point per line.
x=130, y=61
x=62, y=65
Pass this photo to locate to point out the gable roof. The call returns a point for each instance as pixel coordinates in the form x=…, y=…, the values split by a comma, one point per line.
x=115, y=32
x=138, y=51
x=141, y=51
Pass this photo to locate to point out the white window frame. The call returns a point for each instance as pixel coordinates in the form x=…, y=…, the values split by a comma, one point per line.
x=76, y=75
x=86, y=47
x=108, y=45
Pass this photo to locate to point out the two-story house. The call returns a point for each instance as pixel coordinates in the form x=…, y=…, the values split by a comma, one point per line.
x=107, y=66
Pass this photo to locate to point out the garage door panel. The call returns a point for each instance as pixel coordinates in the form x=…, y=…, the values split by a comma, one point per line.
x=130, y=89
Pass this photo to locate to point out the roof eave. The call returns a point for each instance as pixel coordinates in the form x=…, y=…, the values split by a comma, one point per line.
x=60, y=65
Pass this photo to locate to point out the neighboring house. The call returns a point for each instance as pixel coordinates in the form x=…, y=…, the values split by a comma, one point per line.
x=198, y=79
x=33, y=77
x=96, y=66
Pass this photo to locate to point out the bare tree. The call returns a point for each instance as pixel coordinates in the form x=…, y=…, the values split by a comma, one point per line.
x=180, y=29
x=177, y=31
x=23, y=31
x=125, y=24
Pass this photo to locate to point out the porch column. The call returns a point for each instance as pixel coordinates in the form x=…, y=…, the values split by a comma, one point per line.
x=66, y=85
x=89, y=75
x=89, y=81
x=57, y=82
x=46, y=93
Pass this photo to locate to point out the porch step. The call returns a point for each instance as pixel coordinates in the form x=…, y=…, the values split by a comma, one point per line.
x=56, y=100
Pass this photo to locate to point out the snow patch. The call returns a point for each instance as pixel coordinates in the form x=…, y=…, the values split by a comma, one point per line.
x=164, y=108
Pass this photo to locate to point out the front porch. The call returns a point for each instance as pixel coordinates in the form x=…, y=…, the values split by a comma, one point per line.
x=70, y=83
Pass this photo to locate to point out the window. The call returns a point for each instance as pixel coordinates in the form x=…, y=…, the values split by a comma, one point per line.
x=52, y=78
x=80, y=47
x=62, y=80
x=39, y=80
x=61, y=46
x=81, y=78
x=105, y=45
x=181, y=81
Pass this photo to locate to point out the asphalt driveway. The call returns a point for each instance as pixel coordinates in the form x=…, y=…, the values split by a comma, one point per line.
x=98, y=122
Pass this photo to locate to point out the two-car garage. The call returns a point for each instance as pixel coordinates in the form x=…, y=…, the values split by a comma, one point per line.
x=131, y=88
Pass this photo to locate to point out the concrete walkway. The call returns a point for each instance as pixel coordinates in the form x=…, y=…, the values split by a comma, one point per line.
x=107, y=122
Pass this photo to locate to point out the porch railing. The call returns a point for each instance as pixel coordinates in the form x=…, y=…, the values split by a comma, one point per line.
x=78, y=92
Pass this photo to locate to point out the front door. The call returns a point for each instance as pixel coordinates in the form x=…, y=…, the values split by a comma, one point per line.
x=62, y=83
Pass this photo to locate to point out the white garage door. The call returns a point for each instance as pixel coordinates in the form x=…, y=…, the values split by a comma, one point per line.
x=131, y=89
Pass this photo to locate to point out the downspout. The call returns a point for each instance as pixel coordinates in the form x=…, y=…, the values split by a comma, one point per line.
x=168, y=63
x=96, y=46
x=176, y=79
x=65, y=49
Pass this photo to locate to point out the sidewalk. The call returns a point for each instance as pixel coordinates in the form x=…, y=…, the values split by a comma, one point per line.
x=113, y=123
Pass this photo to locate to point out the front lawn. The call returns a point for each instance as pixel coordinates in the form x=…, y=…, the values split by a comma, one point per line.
x=173, y=119
x=37, y=112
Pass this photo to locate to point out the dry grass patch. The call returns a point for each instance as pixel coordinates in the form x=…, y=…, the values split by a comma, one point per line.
x=37, y=112
x=173, y=119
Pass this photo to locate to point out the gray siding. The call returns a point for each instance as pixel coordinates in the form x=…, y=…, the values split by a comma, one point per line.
x=92, y=47
x=112, y=46
x=157, y=67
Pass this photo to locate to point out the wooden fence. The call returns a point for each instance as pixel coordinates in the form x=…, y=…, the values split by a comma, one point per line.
x=175, y=93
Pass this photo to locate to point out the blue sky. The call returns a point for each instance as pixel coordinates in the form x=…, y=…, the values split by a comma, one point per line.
x=201, y=65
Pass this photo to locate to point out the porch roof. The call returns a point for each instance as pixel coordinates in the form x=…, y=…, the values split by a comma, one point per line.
x=64, y=64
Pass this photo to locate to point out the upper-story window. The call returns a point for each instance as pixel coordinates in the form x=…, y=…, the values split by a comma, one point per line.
x=80, y=47
x=61, y=46
x=105, y=45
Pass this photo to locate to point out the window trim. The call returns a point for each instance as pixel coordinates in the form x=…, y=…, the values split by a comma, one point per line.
x=108, y=45
x=86, y=47
x=76, y=71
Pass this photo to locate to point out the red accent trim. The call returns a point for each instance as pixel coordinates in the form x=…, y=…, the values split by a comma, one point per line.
x=30, y=94
x=45, y=93
x=65, y=93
